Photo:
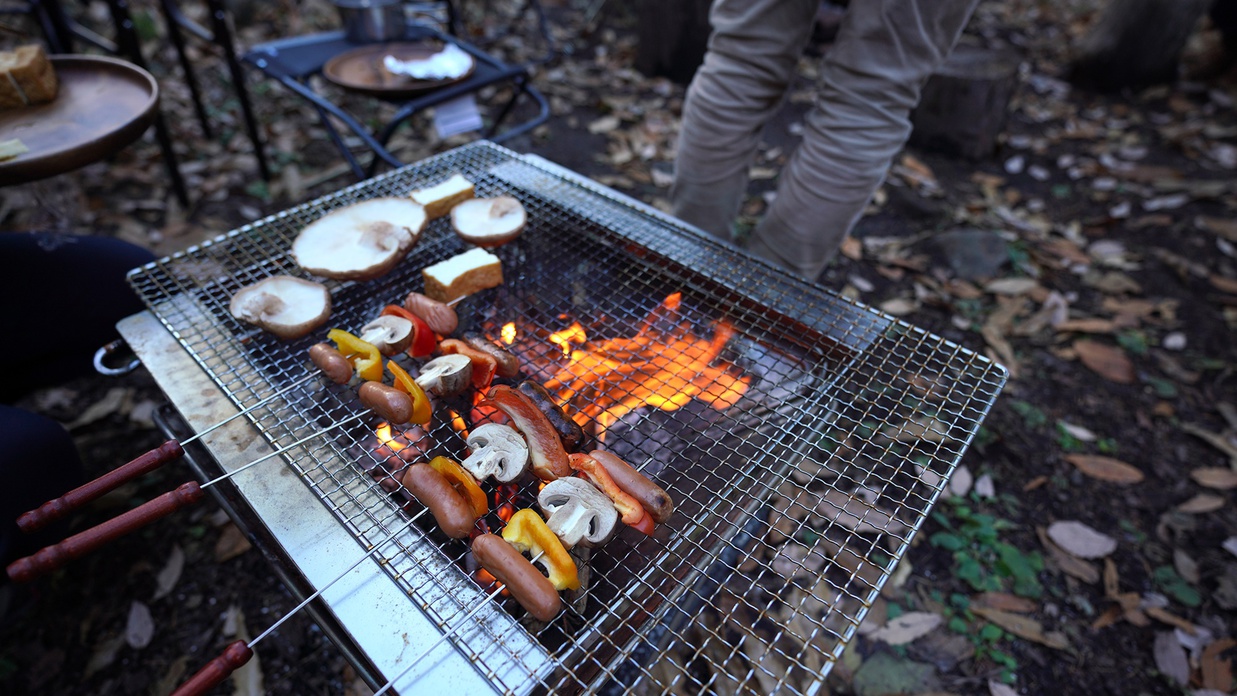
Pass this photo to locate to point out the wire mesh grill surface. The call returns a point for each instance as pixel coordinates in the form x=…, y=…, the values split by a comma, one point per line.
x=793, y=505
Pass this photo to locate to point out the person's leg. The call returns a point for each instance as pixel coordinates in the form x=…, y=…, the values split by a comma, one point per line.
x=752, y=56
x=61, y=296
x=869, y=82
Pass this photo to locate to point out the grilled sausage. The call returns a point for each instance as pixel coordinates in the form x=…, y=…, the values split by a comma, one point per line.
x=568, y=430
x=454, y=514
x=529, y=587
x=653, y=498
x=508, y=364
x=392, y=404
x=332, y=363
x=440, y=317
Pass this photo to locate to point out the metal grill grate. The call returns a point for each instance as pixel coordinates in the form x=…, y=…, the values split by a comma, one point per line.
x=849, y=430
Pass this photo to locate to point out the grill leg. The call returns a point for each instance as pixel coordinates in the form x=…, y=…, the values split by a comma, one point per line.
x=223, y=37
x=171, y=17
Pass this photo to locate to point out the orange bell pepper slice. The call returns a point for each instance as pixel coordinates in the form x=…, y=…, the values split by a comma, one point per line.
x=528, y=532
x=463, y=483
x=363, y=355
x=421, y=410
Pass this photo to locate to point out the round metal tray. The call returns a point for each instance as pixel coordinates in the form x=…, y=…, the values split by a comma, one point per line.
x=103, y=105
x=361, y=70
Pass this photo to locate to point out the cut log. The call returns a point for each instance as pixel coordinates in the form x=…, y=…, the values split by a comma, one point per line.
x=963, y=106
x=1135, y=43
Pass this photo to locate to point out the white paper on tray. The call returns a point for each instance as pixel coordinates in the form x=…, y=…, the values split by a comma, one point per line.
x=449, y=63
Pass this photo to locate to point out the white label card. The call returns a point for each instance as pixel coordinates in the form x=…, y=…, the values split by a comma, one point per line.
x=457, y=116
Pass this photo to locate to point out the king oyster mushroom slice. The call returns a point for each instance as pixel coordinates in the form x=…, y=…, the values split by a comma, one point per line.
x=498, y=451
x=389, y=334
x=446, y=375
x=577, y=512
x=362, y=241
x=287, y=306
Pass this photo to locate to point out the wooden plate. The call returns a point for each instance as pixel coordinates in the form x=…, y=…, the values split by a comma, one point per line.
x=103, y=105
x=361, y=70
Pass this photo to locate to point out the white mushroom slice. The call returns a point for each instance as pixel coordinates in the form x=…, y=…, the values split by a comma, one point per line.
x=577, y=512
x=498, y=451
x=447, y=375
x=362, y=241
x=287, y=306
x=489, y=222
x=389, y=334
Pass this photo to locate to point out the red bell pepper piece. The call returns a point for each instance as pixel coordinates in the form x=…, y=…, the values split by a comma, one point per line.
x=483, y=364
x=423, y=338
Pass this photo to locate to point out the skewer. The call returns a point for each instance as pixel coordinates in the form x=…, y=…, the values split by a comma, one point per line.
x=480, y=605
x=57, y=508
x=57, y=555
x=238, y=653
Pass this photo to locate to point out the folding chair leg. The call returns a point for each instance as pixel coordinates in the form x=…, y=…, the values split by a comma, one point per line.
x=223, y=36
x=170, y=18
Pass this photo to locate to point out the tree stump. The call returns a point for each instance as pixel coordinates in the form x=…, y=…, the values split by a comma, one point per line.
x=963, y=106
x=673, y=35
x=1135, y=43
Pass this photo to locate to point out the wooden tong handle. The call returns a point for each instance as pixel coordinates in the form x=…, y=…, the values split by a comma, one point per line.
x=56, y=555
x=216, y=670
x=53, y=510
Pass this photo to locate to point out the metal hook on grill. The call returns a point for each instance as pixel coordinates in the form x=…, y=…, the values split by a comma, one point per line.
x=238, y=652
x=56, y=555
x=480, y=605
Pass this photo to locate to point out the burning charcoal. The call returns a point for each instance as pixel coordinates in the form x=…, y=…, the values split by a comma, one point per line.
x=578, y=599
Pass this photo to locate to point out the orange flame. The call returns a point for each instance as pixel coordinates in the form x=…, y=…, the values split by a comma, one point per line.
x=385, y=438
x=572, y=334
x=457, y=422
x=508, y=333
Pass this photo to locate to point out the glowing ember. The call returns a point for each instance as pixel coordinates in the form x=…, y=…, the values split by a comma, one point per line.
x=664, y=365
x=490, y=583
x=457, y=422
x=386, y=439
x=508, y=333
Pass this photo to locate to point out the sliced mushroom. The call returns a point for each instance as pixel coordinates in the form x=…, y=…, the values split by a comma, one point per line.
x=577, y=512
x=489, y=222
x=498, y=451
x=362, y=241
x=447, y=375
x=390, y=334
x=287, y=306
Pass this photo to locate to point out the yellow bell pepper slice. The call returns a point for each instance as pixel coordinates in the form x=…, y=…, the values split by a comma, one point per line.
x=363, y=355
x=463, y=483
x=421, y=410
x=529, y=533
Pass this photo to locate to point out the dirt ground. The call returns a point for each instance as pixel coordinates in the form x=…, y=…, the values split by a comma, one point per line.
x=1093, y=254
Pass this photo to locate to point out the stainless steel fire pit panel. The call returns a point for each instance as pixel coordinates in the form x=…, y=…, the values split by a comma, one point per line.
x=847, y=432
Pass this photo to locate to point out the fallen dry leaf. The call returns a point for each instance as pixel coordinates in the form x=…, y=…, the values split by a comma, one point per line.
x=1011, y=286
x=1023, y=627
x=1105, y=468
x=1069, y=564
x=1004, y=602
x=1164, y=616
x=1091, y=326
x=1106, y=361
x=1223, y=227
x=1215, y=477
x=1201, y=503
x=1223, y=284
x=232, y=543
x=1217, y=671
x=1170, y=657
x=908, y=627
x=167, y=578
x=140, y=627
x=1081, y=540
x=996, y=688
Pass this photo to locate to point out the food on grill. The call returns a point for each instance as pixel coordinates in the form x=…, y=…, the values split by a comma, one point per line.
x=439, y=199
x=498, y=451
x=389, y=334
x=332, y=363
x=440, y=317
x=422, y=411
x=489, y=222
x=506, y=364
x=287, y=306
x=528, y=533
x=365, y=358
x=453, y=513
x=545, y=450
x=633, y=514
x=463, y=483
x=467, y=273
x=393, y=405
x=423, y=338
x=446, y=375
x=483, y=364
x=529, y=587
x=569, y=432
x=29, y=77
x=577, y=512
x=652, y=497
x=362, y=241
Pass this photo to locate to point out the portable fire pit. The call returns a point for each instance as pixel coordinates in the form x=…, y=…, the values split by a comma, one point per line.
x=803, y=437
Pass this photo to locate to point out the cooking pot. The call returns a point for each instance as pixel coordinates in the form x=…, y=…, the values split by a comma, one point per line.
x=370, y=21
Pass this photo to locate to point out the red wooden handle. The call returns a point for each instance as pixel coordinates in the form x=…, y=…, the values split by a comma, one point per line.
x=53, y=510
x=216, y=670
x=56, y=555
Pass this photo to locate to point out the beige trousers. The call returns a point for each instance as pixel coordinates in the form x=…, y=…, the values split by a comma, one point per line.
x=870, y=79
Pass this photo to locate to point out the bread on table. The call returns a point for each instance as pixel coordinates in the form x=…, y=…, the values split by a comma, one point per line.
x=465, y=274
x=26, y=77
